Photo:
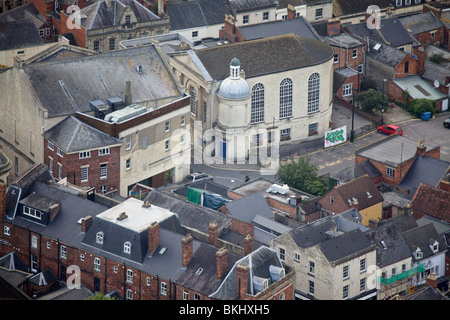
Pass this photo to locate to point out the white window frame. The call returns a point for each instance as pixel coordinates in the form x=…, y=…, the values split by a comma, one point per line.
x=345, y=292
x=167, y=145
x=246, y=19
x=84, y=154
x=390, y=172
x=127, y=247
x=362, y=265
x=103, y=152
x=183, y=121
x=347, y=89
x=59, y=165
x=50, y=165
x=84, y=174
x=311, y=287
x=355, y=53
x=63, y=252
x=128, y=144
x=59, y=152
x=129, y=295
x=100, y=236
x=266, y=16
x=6, y=230
x=130, y=276
x=163, y=289
x=311, y=267
x=50, y=145
x=346, y=272
x=296, y=256
x=97, y=264
x=286, y=98
x=314, y=93
x=32, y=212
x=282, y=254
x=257, y=103
x=128, y=164
x=167, y=126
x=185, y=294
x=103, y=170
x=336, y=58
x=34, y=241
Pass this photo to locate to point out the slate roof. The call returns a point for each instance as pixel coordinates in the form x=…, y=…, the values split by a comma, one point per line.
x=72, y=135
x=420, y=237
x=197, y=13
x=206, y=281
x=99, y=15
x=190, y=215
x=345, y=245
x=66, y=87
x=258, y=263
x=286, y=52
x=362, y=189
x=347, y=7
x=298, y=26
x=19, y=34
x=11, y=261
x=434, y=71
x=246, y=209
x=391, y=32
x=426, y=170
x=422, y=22
x=394, y=248
x=432, y=201
x=391, y=150
x=251, y=5
x=385, y=54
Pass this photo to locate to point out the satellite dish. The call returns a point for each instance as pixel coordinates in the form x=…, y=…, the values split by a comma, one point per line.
x=436, y=83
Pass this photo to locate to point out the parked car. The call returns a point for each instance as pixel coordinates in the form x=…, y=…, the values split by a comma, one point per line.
x=447, y=123
x=196, y=176
x=390, y=129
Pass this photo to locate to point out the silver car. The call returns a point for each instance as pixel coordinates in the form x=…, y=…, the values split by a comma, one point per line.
x=196, y=176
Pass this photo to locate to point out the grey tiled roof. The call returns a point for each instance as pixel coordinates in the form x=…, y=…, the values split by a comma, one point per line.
x=265, y=56
x=19, y=34
x=249, y=5
x=66, y=87
x=420, y=237
x=422, y=22
x=246, y=209
x=72, y=135
x=99, y=15
x=298, y=26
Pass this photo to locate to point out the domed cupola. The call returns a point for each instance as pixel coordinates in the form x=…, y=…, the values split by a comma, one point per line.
x=234, y=87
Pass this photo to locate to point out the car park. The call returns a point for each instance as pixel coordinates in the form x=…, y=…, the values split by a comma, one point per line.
x=390, y=129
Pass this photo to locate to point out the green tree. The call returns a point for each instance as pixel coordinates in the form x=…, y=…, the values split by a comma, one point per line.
x=372, y=100
x=417, y=106
x=100, y=296
x=303, y=176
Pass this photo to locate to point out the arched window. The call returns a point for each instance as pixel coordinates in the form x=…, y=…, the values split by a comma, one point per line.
x=99, y=238
x=193, y=94
x=127, y=247
x=257, y=113
x=313, y=93
x=286, y=98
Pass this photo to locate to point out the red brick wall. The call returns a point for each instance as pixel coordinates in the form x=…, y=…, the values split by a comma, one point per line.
x=412, y=67
x=425, y=37
x=71, y=167
x=346, y=59
x=339, y=205
x=62, y=27
x=354, y=81
x=242, y=228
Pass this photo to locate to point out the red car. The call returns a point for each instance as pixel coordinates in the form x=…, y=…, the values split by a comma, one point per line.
x=390, y=129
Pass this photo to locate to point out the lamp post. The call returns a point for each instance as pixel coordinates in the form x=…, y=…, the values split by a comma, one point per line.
x=352, y=132
x=382, y=114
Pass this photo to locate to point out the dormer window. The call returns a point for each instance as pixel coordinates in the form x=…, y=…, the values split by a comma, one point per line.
x=32, y=212
x=127, y=247
x=100, y=237
x=418, y=254
x=434, y=245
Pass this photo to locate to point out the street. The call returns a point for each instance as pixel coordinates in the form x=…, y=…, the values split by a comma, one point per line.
x=337, y=158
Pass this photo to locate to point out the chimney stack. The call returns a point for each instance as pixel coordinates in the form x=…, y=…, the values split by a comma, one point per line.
x=86, y=223
x=421, y=148
x=128, y=98
x=187, y=249
x=333, y=27
x=241, y=280
x=153, y=238
x=290, y=12
x=160, y=7
x=431, y=281
x=54, y=210
x=419, y=52
x=2, y=200
x=221, y=262
x=213, y=233
x=248, y=245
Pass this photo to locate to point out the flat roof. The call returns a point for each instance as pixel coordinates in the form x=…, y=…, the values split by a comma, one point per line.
x=138, y=218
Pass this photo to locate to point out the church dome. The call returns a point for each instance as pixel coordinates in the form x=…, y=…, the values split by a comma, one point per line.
x=234, y=87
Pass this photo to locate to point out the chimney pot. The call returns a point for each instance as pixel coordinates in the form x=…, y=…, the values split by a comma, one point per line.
x=248, y=245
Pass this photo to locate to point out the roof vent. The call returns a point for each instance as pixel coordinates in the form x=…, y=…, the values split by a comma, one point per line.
x=61, y=83
x=122, y=216
x=146, y=204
